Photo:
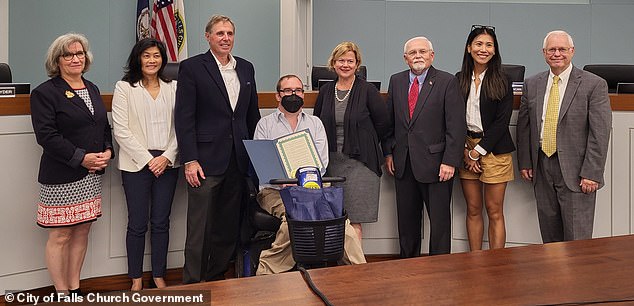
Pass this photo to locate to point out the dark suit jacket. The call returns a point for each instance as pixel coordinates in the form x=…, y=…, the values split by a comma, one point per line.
x=583, y=130
x=66, y=130
x=206, y=126
x=495, y=116
x=436, y=133
x=365, y=122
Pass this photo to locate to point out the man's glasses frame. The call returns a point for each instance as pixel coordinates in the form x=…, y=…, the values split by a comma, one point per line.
x=290, y=91
x=552, y=51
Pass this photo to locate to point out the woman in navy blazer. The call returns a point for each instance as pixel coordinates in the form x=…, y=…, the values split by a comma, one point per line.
x=487, y=155
x=143, y=120
x=70, y=123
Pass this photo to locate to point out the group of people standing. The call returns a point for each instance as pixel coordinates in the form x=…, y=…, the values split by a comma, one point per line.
x=434, y=126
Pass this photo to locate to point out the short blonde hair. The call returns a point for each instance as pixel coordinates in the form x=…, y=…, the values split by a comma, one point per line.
x=342, y=49
x=60, y=46
x=217, y=19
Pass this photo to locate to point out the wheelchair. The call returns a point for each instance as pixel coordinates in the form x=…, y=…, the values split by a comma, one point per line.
x=257, y=234
x=314, y=243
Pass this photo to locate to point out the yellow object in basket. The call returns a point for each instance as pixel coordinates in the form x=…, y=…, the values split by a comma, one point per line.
x=311, y=185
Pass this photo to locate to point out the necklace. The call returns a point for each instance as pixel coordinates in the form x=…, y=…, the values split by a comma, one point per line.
x=347, y=93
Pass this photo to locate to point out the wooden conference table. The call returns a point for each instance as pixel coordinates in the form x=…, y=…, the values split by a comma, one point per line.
x=580, y=271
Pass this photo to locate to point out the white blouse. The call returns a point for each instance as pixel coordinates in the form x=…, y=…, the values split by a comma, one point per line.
x=474, y=121
x=157, y=119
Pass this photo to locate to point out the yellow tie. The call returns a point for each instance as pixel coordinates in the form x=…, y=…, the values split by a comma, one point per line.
x=549, y=140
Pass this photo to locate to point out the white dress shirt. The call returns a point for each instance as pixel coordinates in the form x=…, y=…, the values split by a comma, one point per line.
x=563, y=82
x=230, y=78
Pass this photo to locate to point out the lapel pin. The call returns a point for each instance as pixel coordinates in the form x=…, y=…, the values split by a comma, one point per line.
x=69, y=94
x=431, y=83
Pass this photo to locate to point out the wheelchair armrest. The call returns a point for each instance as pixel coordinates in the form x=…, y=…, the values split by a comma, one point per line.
x=325, y=179
x=252, y=188
x=259, y=219
x=263, y=221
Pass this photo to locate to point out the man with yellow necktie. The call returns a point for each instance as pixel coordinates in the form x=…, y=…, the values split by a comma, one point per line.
x=563, y=131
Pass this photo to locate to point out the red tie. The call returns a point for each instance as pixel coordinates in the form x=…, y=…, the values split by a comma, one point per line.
x=412, y=97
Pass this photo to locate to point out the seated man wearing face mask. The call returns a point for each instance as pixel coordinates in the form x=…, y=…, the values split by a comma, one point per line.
x=289, y=118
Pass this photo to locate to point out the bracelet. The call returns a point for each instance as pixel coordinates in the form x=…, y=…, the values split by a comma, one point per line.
x=469, y=153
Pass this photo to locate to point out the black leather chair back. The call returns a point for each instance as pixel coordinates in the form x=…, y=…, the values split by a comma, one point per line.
x=171, y=71
x=612, y=73
x=625, y=88
x=5, y=73
x=323, y=73
x=515, y=72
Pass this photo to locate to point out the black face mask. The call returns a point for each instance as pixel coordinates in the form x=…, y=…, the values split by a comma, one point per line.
x=292, y=103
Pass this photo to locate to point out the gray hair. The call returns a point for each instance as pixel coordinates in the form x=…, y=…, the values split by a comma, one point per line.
x=60, y=46
x=217, y=19
x=431, y=47
x=558, y=32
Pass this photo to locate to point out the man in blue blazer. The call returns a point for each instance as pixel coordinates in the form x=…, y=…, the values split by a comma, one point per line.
x=424, y=147
x=216, y=108
x=562, y=148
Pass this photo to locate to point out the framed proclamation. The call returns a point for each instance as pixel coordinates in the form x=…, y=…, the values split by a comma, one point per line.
x=281, y=157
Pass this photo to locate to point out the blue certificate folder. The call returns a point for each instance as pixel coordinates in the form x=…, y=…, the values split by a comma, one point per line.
x=273, y=159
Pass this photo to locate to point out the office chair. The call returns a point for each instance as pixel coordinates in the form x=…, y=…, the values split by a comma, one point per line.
x=171, y=71
x=514, y=72
x=5, y=73
x=625, y=88
x=323, y=73
x=613, y=74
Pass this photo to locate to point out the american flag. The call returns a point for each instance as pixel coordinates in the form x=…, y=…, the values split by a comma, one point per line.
x=168, y=26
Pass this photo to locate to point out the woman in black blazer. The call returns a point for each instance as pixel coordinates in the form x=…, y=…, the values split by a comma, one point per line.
x=487, y=155
x=70, y=123
x=355, y=118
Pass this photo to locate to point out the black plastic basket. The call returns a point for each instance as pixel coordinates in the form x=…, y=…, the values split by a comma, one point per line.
x=316, y=242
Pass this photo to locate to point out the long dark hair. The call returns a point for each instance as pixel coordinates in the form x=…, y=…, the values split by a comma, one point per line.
x=132, y=72
x=495, y=82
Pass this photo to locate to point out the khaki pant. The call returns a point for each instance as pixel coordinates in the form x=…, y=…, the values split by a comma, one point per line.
x=279, y=258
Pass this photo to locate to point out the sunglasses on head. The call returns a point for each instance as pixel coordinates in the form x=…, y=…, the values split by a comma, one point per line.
x=479, y=26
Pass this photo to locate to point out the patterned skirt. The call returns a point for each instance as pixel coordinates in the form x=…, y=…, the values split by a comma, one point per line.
x=71, y=203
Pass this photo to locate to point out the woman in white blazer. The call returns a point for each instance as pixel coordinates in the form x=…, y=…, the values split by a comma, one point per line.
x=143, y=117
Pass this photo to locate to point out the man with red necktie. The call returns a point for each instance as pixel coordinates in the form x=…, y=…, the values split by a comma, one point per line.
x=424, y=147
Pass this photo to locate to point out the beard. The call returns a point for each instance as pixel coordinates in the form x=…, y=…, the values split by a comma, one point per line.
x=418, y=67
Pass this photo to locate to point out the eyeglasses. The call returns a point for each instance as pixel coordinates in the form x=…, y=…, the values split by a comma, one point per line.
x=423, y=52
x=552, y=51
x=69, y=56
x=479, y=26
x=290, y=91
